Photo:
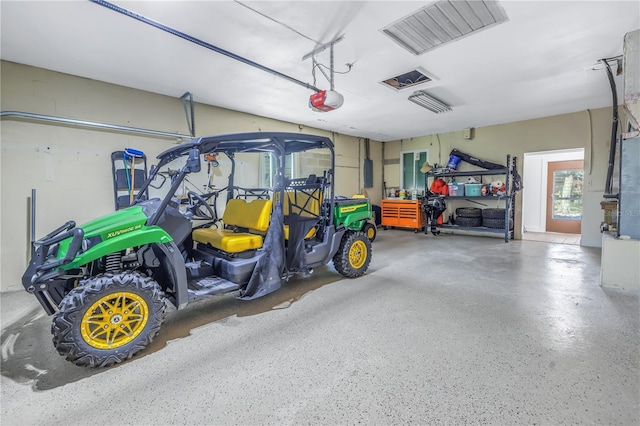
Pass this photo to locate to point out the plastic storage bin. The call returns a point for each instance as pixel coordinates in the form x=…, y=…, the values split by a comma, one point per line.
x=473, y=189
x=456, y=189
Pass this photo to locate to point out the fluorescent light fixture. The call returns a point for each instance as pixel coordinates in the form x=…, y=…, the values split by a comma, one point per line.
x=427, y=101
x=444, y=21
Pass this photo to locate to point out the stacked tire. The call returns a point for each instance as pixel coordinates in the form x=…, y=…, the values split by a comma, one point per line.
x=469, y=216
x=493, y=218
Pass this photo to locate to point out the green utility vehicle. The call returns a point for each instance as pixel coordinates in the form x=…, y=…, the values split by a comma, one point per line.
x=107, y=282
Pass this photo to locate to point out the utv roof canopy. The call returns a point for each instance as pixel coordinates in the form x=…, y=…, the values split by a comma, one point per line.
x=284, y=143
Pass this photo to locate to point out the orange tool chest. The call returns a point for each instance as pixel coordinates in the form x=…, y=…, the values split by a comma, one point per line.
x=403, y=214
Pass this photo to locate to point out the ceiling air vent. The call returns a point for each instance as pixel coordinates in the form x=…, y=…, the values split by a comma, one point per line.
x=443, y=22
x=407, y=79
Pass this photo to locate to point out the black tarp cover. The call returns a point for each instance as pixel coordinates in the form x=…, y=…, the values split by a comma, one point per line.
x=267, y=275
x=299, y=226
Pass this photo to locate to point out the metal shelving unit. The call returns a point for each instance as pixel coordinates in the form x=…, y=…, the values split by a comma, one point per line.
x=509, y=198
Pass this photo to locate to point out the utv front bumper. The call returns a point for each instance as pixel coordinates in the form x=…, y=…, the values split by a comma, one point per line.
x=45, y=266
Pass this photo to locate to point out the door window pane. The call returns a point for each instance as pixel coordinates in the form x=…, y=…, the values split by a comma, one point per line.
x=567, y=194
x=412, y=161
x=420, y=158
x=407, y=169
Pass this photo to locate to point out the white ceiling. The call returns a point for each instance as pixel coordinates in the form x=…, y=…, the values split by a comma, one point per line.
x=531, y=66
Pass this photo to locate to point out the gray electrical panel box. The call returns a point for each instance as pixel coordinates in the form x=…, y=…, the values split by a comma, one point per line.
x=629, y=198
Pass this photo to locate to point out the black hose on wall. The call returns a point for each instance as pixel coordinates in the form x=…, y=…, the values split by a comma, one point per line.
x=614, y=129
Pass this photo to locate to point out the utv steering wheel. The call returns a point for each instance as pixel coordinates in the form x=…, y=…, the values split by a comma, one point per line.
x=199, y=207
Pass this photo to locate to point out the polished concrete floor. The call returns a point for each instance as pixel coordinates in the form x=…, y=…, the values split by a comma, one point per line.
x=441, y=330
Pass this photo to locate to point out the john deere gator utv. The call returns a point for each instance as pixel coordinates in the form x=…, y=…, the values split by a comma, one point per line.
x=106, y=282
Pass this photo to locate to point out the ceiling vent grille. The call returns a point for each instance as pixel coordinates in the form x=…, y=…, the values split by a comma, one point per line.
x=444, y=21
x=427, y=101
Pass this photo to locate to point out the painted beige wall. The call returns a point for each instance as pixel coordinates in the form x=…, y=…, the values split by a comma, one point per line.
x=70, y=167
x=586, y=129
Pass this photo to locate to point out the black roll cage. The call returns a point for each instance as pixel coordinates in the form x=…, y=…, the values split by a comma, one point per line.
x=277, y=143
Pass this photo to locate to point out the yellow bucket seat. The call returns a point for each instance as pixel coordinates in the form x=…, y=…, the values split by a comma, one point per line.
x=245, y=225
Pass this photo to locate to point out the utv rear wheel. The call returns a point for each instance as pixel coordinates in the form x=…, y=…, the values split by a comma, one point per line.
x=354, y=255
x=109, y=319
x=370, y=231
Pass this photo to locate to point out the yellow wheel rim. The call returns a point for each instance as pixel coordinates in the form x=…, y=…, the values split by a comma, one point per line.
x=357, y=254
x=114, y=320
x=371, y=232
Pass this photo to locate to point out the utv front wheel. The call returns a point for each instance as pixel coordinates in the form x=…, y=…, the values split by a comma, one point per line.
x=109, y=319
x=354, y=255
x=369, y=230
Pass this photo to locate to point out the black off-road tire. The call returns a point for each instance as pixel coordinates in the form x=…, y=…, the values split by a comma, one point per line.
x=495, y=223
x=354, y=254
x=109, y=319
x=468, y=221
x=493, y=213
x=468, y=212
x=370, y=231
